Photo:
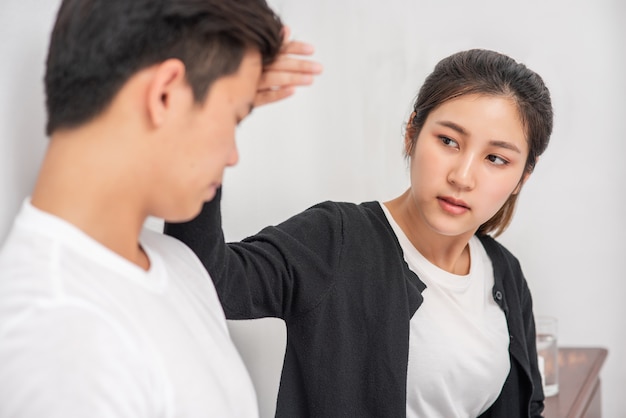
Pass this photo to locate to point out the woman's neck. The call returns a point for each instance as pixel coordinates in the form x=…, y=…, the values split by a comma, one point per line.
x=450, y=253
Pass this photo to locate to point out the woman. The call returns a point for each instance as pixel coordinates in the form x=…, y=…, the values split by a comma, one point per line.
x=407, y=307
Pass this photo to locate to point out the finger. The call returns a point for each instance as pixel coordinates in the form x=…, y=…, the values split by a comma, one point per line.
x=270, y=96
x=275, y=80
x=297, y=48
x=286, y=34
x=294, y=65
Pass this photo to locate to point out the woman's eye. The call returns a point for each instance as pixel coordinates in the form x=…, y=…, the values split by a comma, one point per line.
x=497, y=160
x=448, y=141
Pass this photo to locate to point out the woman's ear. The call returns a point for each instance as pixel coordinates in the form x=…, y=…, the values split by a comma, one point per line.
x=525, y=177
x=167, y=81
x=409, y=136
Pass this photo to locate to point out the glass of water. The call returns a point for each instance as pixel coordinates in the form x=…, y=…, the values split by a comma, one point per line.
x=547, y=354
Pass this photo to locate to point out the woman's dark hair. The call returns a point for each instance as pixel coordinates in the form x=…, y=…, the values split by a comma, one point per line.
x=97, y=45
x=479, y=71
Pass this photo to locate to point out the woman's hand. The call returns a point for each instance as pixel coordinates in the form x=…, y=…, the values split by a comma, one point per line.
x=290, y=70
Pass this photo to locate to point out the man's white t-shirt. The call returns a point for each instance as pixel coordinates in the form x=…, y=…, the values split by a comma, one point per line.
x=86, y=333
x=458, y=340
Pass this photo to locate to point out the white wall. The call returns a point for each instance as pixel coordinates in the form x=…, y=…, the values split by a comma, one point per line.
x=24, y=29
x=342, y=140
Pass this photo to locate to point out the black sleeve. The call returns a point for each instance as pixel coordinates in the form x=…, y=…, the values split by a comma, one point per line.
x=283, y=271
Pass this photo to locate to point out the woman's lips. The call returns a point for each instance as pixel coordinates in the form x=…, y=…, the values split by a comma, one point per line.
x=452, y=205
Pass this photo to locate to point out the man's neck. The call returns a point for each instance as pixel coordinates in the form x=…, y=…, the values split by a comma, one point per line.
x=83, y=181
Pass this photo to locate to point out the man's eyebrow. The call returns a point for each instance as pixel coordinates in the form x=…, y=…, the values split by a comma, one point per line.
x=493, y=143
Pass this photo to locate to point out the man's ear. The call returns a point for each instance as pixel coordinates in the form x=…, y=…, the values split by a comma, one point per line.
x=167, y=81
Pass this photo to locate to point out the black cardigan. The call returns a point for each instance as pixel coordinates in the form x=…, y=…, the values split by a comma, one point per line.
x=336, y=275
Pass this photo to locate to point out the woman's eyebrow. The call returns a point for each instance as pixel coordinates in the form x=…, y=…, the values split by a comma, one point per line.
x=494, y=143
x=505, y=144
x=453, y=126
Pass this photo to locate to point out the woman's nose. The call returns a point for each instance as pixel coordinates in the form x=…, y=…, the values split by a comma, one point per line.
x=462, y=173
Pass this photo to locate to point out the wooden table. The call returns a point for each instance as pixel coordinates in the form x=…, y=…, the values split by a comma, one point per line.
x=579, y=384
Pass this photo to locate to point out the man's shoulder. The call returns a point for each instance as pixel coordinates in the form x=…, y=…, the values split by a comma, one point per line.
x=26, y=268
x=47, y=349
x=158, y=239
x=168, y=247
x=178, y=258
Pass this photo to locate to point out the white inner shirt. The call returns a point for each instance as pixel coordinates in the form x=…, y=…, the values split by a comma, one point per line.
x=459, y=339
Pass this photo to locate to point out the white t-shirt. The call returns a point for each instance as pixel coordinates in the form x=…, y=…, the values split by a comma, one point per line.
x=459, y=339
x=86, y=333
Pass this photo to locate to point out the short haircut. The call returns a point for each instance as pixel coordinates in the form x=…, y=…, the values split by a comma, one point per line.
x=97, y=45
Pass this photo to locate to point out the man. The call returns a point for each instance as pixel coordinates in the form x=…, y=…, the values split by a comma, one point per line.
x=99, y=317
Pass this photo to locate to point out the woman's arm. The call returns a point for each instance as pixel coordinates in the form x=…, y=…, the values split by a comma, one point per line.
x=280, y=272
